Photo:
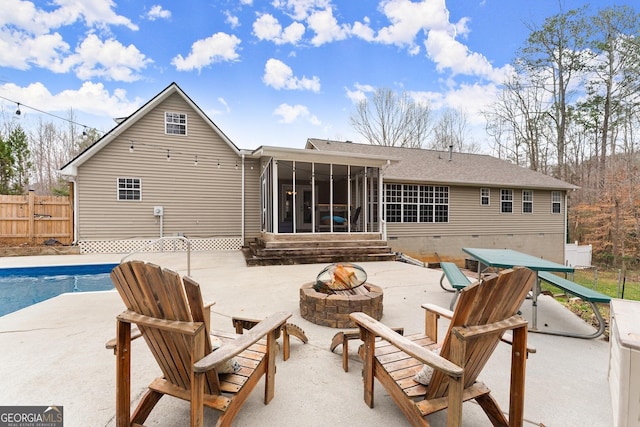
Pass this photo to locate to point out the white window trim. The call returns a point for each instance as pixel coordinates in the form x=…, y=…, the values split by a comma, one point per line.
x=503, y=201
x=559, y=202
x=166, y=123
x=527, y=201
x=118, y=189
x=488, y=196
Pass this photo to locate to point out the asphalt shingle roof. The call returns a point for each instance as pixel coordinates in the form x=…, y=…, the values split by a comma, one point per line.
x=433, y=166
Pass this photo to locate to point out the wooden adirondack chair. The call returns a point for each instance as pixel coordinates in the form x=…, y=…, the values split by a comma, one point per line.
x=484, y=312
x=174, y=322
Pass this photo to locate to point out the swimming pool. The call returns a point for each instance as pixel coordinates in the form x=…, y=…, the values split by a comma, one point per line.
x=24, y=286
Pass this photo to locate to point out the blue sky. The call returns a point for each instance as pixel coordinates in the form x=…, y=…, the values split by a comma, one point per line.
x=266, y=72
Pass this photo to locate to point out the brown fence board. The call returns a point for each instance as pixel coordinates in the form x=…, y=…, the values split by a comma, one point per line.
x=34, y=219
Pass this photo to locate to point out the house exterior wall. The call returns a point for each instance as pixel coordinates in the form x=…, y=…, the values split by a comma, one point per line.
x=540, y=233
x=198, y=201
x=252, y=198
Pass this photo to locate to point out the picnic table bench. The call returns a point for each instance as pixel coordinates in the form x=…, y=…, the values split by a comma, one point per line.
x=456, y=278
x=588, y=295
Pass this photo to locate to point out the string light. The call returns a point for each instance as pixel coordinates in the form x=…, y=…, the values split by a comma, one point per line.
x=19, y=113
x=170, y=154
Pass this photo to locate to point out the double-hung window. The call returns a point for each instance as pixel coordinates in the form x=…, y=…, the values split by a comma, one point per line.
x=527, y=201
x=175, y=123
x=129, y=189
x=485, y=196
x=506, y=201
x=556, y=202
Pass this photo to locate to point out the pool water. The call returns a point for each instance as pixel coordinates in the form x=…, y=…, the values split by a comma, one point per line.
x=22, y=287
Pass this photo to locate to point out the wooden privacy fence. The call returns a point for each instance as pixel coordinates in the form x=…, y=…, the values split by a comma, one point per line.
x=33, y=219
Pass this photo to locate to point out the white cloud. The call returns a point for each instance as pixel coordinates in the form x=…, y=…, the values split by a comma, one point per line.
x=291, y=113
x=220, y=47
x=267, y=27
x=28, y=35
x=95, y=13
x=232, y=20
x=279, y=75
x=90, y=98
x=157, y=12
x=448, y=53
x=326, y=27
x=21, y=51
x=109, y=60
x=363, y=30
x=409, y=18
x=473, y=99
x=300, y=9
x=359, y=93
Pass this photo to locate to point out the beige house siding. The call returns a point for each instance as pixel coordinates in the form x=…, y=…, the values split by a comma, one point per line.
x=540, y=233
x=198, y=201
x=252, y=198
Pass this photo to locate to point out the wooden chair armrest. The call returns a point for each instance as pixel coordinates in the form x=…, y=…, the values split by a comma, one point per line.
x=181, y=327
x=431, y=315
x=428, y=357
x=467, y=332
x=111, y=344
x=244, y=341
x=440, y=311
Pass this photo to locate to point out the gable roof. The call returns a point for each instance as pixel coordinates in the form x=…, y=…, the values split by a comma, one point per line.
x=433, y=166
x=70, y=169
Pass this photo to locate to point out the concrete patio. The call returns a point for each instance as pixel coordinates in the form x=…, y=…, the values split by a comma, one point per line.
x=53, y=353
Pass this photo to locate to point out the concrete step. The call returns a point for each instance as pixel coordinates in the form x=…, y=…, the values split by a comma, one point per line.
x=316, y=251
x=322, y=251
x=322, y=244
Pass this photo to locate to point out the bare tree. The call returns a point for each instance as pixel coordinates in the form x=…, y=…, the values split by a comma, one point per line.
x=392, y=119
x=556, y=54
x=520, y=116
x=616, y=71
x=452, y=130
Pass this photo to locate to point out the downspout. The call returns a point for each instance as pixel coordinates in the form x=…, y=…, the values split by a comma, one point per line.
x=75, y=213
x=275, y=196
x=242, y=207
x=566, y=226
x=382, y=203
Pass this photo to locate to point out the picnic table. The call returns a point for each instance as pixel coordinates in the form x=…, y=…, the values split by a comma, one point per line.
x=508, y=258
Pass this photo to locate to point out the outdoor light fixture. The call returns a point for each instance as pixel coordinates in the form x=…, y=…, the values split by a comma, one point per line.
x=18, y=112
x=131, y=147
x=195, y=162
x=168, y=155
x=218, y=163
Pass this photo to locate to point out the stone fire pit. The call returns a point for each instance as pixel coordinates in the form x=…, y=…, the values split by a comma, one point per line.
x=333, y=310
x=328, y=302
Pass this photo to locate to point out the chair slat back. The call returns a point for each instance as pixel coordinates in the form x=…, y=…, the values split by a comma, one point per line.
x=155, y=292
x=494, y=299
